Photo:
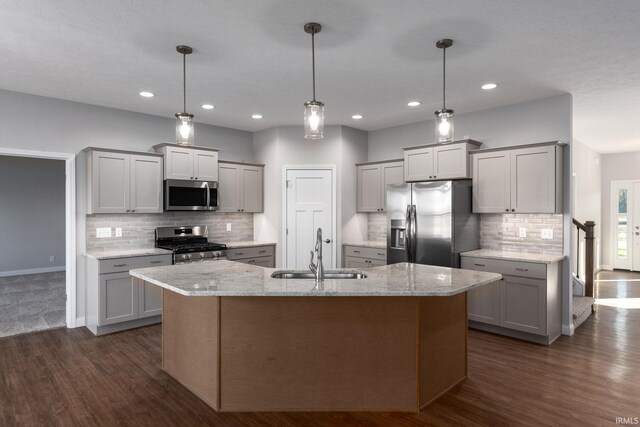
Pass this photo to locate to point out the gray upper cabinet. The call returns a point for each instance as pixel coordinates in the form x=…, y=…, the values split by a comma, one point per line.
x=189, y=163
x=438, y=161
x=123, y=182
x=205, y=165
x=146, y=184
x=240, y=187
x=518, y=180
x=372, y=181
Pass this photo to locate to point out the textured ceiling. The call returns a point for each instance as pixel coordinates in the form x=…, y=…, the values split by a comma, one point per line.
x=372, y=57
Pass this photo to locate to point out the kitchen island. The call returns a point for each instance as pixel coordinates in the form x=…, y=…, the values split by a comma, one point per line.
x=244, y=341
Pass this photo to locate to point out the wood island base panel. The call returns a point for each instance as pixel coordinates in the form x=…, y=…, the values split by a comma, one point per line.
x=315, y=354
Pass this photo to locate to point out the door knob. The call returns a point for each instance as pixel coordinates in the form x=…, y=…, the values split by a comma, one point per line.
x=327, y=241
x=637, y=233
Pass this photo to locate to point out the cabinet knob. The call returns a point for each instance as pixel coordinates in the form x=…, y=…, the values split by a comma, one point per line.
x=191, y=177
x=513, y=210
x=127, y=210
x=133, y=210
x=506, y=210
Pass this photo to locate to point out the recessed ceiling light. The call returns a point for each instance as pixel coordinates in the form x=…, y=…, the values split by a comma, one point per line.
x=256, y=116
x=489, y=86
x=208, y=106
x=146, y=94
x=357, y=116
x=414, y=103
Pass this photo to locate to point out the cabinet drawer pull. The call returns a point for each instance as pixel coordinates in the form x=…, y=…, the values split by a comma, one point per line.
x=356, y=252
x=119, y=265
x=155, y=262
x=261, y=252
x=381, y=254
x=522, y=269
x=239, y=253
x=480, y=265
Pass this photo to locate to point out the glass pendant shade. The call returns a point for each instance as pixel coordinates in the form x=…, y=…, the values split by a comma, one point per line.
x=184, y=129
x=444, y=125
x=313, y=120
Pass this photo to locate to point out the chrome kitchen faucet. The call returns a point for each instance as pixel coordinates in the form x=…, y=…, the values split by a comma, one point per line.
x=318, y=268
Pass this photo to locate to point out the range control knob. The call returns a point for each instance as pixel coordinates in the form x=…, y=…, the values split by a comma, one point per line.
x=217, y=254
x=201, y=255
x=184, y=257
x=189, y=256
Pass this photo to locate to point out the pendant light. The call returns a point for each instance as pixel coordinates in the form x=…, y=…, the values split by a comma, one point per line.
x=444, y=117
x=184, y=124
x=313, y=110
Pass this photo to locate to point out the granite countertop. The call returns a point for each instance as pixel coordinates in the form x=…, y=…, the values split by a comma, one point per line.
x=126, y=252
x=248, y=244
x=514, y=256
x=368, y=244
x=228, y=278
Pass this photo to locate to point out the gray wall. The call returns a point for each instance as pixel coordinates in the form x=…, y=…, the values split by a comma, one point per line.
x=30, y=122
x=32, y=203
x=341, y=147
x=615, y=167
x=548, y=119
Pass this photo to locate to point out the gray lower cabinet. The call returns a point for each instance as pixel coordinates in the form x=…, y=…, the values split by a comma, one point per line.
x=364, y=257
x=115, y=300
x=525, y=304
x=263, y=256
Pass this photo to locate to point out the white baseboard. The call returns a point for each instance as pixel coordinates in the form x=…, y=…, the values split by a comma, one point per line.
x=80, y=321
x=568, y=329
x=32, y=271
x=606, y=267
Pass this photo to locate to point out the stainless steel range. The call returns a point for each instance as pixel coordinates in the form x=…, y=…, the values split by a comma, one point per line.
x=189, y=244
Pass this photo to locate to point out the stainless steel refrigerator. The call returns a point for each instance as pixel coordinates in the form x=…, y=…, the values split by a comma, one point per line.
x=431, y=222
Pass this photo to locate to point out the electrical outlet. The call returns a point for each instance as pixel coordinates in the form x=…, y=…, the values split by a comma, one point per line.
x=103, y=232
x=118, y=232
x=547, y=233
x=52, y=258
x=228, y=226
x=522, y=232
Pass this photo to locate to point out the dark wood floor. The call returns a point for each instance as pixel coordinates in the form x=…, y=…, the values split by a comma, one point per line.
x=69, y=377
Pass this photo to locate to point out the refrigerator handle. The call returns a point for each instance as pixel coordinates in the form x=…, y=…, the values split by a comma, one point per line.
x=413, y=233
x=407, y=243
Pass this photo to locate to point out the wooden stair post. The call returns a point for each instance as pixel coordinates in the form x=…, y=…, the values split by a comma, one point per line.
x=589, y=257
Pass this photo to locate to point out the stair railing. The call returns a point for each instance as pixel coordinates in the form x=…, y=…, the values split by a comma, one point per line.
x=589, y=238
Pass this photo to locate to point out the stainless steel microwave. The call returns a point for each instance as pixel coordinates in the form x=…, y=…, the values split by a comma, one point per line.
x=183, y=195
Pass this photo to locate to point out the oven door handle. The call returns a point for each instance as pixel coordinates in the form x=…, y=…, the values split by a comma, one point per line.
x=206, y=184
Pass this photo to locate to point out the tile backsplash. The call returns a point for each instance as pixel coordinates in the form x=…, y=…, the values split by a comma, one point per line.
x=499, y=231
x=377, y=227
x=138, y=229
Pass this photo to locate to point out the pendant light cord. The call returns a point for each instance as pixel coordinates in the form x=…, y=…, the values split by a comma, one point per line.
x=184, y=83
x=444, y=78
x=313, y=63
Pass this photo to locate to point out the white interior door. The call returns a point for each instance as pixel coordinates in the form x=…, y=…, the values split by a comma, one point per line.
x=635, y=231
x=309, y=206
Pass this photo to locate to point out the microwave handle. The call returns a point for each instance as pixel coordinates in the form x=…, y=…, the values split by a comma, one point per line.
x=206, y=184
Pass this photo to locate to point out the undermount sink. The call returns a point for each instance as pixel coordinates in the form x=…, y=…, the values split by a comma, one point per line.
x=328, y=274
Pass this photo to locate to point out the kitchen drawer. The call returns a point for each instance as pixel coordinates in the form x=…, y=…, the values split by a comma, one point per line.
x=116, y=265
x=264, y=261
x=251, y=252
x=510, y=268
x=364, y=252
